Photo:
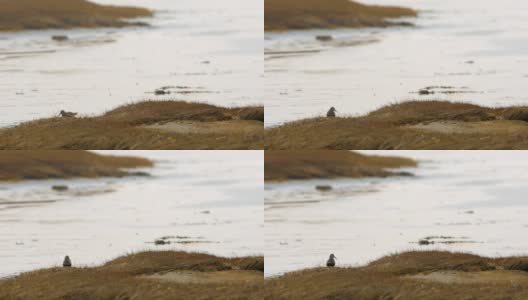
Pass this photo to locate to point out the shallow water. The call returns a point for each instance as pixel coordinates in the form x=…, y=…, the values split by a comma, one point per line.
x=208, y=203
x=476, y=197
x=214, y=49
x=477, y=47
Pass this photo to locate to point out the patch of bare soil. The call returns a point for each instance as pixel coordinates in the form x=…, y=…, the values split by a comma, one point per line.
x=216, y=277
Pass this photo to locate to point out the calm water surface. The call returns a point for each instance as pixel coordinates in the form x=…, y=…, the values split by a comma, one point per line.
x=479, y=48
x=478, y=198
x=212, y=48
x=212, y=200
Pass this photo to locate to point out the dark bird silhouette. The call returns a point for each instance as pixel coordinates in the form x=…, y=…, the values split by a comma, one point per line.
x=67, y=262
x=67, y=114
x=331, y=261
x=331, y=112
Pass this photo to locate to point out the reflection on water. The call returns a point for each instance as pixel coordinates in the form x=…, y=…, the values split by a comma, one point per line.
x=479, y=44
x=472, y=201
x=197, y=201
x=216, y=45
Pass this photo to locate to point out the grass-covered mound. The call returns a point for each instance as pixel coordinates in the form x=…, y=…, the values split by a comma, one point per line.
x=145, y=125
x=284, y=165
x=309, y=14
x=47, y=14
x=410, y=125
x=427, y=275
x=146, y=275
x=42, y=164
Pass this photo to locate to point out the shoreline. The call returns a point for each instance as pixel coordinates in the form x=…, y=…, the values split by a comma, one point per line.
x=281, y=166
x=148, y=275
x=164, y=124
x=23, y=15
x=283, y=15
x=410, y=125
x=409, y=275
x=54, y=164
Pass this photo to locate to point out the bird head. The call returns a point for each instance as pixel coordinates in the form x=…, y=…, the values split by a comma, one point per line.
x=332, y=256
x=333, y=109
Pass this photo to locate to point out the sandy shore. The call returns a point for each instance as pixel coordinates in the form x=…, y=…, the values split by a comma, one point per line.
x=146, y=275
x=410, y=125
x=285, y=165
x=145, y=125
x=65, y=14
x=412, y=275
x=309, y=14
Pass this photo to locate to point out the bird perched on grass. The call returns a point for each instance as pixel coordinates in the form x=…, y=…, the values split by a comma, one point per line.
x=331, y=112
x=67, y=114
x=331, y=261
x=67, y=262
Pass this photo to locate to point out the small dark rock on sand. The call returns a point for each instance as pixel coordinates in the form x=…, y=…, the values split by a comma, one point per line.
x=324, y=38
x=323, y=188
x=60, y=188
x=60, y=38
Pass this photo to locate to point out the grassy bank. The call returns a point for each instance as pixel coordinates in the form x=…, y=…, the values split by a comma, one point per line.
x=147, y=275
x=284, y=165
x=64, y=14
x=410, y=125
x=411, y=276
x=309, y=14
x=145, y=125
x=20, y=165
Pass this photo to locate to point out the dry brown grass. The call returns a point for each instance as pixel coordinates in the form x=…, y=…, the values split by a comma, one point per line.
x=412, y=276
x=136, y=126
x=127, y=278
x=308, y=164
x=410, y=125
x=47, y=14
x=308, y=14
x=45, y=164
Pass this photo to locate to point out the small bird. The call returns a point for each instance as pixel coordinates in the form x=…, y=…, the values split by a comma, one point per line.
x=331, y=261
x=67, y=262
x=67, y=114
x=331, y=112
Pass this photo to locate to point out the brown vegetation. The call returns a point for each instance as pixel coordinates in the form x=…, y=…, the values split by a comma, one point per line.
x=284, y=165
x=46, y=164
x=47, y=14
x=141, y=276
x=411, y=276
x=410, y=125
x=308, y=14
x=145, y=125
